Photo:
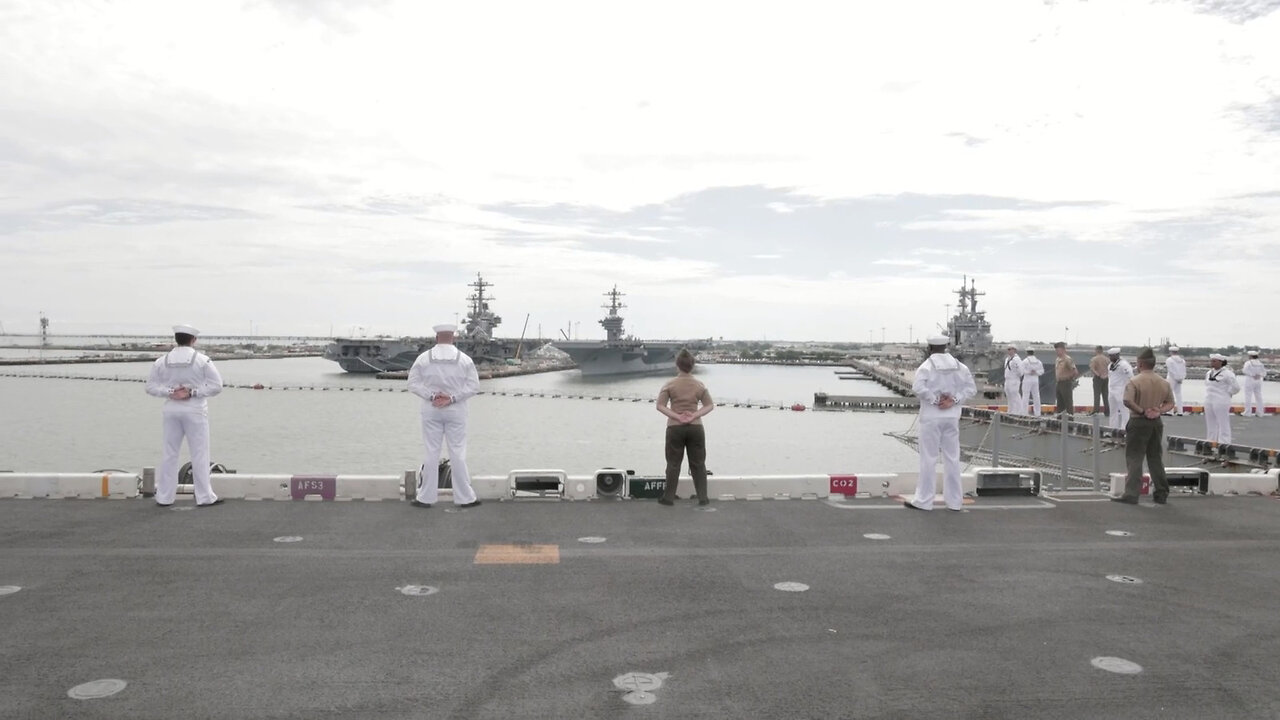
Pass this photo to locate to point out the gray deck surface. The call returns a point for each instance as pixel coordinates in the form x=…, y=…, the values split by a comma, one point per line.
x=993, y=613
x=1263, y=432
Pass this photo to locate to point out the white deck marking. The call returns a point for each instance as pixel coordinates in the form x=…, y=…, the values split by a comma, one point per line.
x=791, y=587
x=418, y=590
x=96, y=689
x=1116, y=665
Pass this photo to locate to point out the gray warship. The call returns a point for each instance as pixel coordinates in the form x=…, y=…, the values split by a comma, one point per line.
x=970, y=335
x=383, y=354
x=619, y=354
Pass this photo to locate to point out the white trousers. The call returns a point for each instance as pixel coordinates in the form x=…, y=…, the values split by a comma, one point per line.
x=445, y=426
x=939, y=436
x=1119, y=413
x=1252, y=397
x=1177, y=396
x=1217, y=421
x=195, y=428
x=1013, y=398
x=1031, y=395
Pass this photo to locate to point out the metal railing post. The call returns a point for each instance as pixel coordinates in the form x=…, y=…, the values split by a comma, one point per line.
x=410, y=484
x=148, y=482
x=995, y=438
x=1096, y=432
x=1063, y=423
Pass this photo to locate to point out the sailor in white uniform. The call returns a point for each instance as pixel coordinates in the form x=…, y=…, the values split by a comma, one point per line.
x=1119, y=373
x=186, y=379
x=1032, y=369
x=445, y=378
x=1175, y=367
x=1254, y=371
x=1013, y=382
x=1219, y=385
x=942, y=384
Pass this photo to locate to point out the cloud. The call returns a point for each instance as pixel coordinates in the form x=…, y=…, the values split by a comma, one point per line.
x=1237, y=11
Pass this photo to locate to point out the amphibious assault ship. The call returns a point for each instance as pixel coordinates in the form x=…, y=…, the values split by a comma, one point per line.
x=971, y=343
x=619, y=354
x=382, y=354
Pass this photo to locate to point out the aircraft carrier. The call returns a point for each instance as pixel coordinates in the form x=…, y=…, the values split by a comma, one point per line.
x=620, y=354
x=388, y=354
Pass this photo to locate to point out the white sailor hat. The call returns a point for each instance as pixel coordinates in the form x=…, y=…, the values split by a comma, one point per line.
x=1173, y=348
x=1113, y=351
x=1218, y=356
x=1253, y=353
x=444, y=327
x=937, y=339
x=186, y=330
x=1031, y=350
x=1012, y=347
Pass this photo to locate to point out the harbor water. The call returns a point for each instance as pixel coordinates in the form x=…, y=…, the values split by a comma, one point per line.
x=345, y=423
x=360, y=424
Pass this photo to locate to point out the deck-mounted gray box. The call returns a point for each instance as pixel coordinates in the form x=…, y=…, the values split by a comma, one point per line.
x=1007, y=481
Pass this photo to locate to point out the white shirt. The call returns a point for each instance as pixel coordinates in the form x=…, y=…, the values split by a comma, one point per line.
x=941, y=374
x=1175, y=367
x=184, y=367
x=1220, y=384
x=1032, y=367
x=1254, y=369
x=1119, y=373
x=1012, y=369
x=444, y=369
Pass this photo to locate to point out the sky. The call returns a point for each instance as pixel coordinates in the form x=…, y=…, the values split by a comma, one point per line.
x=1109, y=172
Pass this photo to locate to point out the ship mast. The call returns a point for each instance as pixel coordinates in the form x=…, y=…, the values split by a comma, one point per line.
x=481, y=317
x=612, y=323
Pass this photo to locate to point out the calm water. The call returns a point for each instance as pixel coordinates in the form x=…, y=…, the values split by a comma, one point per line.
x=79, y=425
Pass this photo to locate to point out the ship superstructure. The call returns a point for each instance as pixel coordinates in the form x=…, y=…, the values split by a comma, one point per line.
x=969, y=332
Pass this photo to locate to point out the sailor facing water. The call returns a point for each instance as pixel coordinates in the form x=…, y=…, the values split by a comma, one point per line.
x=942, y=384
x=1254, y=371
x=1032, y=369
x=1013, y=381
x=1119, y=373
x=445, y=378
x=1219, y=385
x=186, y=379
x=1175, y=370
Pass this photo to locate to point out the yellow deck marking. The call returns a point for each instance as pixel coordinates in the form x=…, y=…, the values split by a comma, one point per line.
x=518, y=555
x=105, y=492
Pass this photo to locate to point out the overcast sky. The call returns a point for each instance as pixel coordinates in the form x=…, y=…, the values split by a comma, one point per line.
x=783, y=170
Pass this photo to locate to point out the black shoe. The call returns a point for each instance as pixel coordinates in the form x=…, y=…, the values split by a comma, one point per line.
x=471, y=504
x=1160, y=501
x=664, y=501
x=219, y=501
x=415, y=502
x=1125, y=500
x=908, y=503
x=704, y=502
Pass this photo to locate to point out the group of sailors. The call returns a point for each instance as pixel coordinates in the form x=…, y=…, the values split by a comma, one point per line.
x=1112, y=373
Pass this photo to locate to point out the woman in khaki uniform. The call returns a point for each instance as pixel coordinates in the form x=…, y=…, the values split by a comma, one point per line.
x=684, y=400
